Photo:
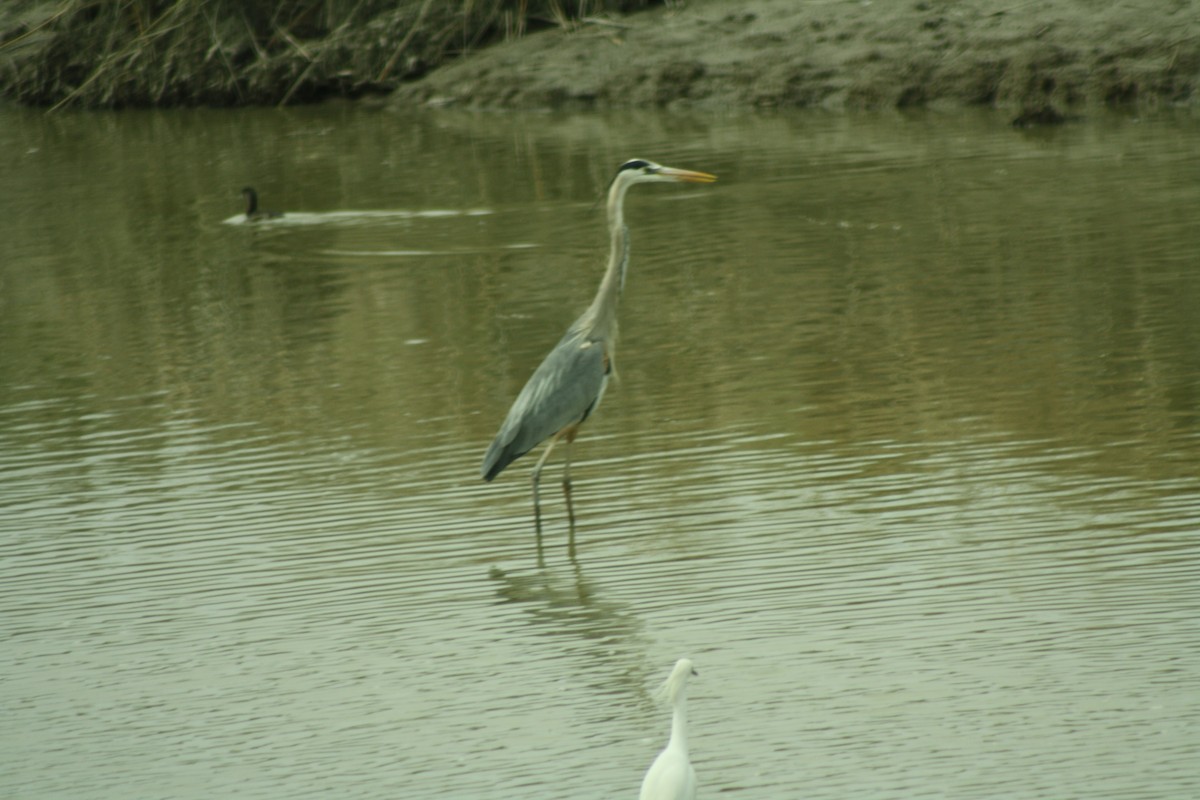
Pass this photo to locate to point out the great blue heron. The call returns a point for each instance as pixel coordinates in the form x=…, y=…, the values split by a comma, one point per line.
x=253, y=212
x=671, y=776
x=570, y=381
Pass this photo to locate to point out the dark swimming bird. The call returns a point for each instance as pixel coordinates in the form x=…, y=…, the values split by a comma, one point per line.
x=568, y=385
x=253, y=213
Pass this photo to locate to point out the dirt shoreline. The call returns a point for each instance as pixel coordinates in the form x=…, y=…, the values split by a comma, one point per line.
x=1041, y=61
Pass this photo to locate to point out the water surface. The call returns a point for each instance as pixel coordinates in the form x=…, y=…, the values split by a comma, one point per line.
x=905, y=454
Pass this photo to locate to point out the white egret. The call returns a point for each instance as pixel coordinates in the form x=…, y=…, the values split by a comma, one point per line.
x=671, y=776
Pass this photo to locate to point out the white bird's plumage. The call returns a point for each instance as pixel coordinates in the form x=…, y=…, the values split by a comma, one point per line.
x=671, y=776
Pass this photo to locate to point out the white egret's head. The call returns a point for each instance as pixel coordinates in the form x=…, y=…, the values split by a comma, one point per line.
x=677, y=682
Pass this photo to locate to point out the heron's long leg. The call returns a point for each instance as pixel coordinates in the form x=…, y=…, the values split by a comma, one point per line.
x=567, y=494
x=537, y=505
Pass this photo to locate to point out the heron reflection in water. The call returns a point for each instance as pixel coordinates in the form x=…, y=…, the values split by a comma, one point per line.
x=567, y=386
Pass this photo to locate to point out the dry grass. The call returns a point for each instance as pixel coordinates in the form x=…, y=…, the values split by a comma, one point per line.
x=126, y=53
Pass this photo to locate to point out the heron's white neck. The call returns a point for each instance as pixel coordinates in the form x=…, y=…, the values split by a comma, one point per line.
x=601, y=316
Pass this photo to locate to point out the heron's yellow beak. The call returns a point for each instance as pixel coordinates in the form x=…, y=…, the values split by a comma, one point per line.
x=687, y=175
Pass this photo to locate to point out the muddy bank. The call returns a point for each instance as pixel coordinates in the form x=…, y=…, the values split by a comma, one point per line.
x=1039, y=60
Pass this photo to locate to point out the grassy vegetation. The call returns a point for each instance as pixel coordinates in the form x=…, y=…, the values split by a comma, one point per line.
x=123, y=53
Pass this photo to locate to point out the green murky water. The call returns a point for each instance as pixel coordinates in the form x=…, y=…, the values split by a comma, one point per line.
x=905, y=454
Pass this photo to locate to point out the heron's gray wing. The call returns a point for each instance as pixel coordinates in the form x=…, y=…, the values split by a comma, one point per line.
x=561, y=392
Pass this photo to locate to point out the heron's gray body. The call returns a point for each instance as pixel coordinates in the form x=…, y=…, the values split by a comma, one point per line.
x=563, y=391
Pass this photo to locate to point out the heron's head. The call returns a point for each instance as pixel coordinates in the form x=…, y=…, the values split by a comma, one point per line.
x=641, y=171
